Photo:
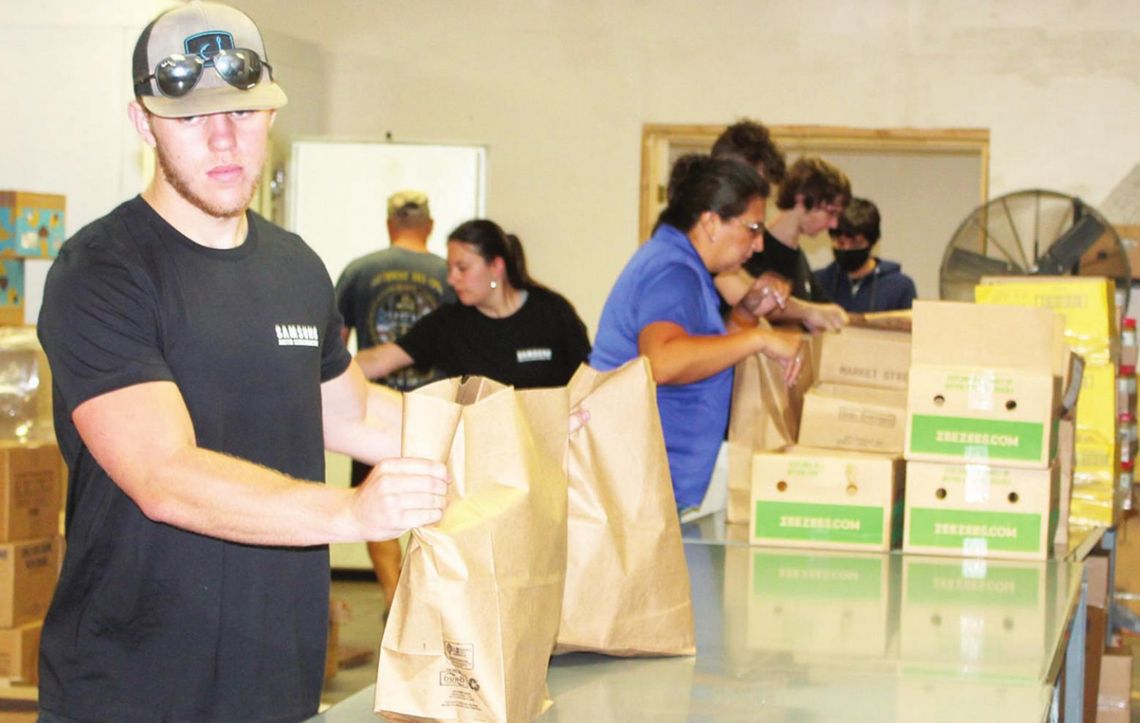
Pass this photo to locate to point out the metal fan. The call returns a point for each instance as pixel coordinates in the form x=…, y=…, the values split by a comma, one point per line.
x=1032, y=232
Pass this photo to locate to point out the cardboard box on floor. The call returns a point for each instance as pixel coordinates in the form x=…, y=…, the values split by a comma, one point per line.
x=19, y=652
x=860, y=419
x=31, y=490
x=985, y=384
x=975, y=510
x=28, y=573
x=804, y=497
x=1114, y=693
x=865, y=357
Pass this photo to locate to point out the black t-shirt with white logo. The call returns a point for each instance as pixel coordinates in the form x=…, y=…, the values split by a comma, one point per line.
x=150, y=622
x=540, y=345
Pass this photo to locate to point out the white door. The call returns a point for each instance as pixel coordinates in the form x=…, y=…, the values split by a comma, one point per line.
x=336, y=199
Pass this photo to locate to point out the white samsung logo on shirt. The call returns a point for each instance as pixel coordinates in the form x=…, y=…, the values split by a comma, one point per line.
x=533, y=355
x=297, y=335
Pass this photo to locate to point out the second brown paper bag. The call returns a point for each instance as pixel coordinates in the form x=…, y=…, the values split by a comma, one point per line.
x=627, y=584
x=477, y=608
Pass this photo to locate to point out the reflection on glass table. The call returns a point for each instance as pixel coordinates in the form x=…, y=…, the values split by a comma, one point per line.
x=802, y=635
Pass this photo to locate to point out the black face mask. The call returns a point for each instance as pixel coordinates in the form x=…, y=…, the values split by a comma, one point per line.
x=851, y=260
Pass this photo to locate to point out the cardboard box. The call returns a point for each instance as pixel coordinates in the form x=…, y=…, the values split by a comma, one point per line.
x=12, y=292
x=975, y=510
x=985, y=384
x=31, y=224
x=859, y=419
x=813, y=605
x=865, y=357
x=31, y=490
x=988, y=415
x=28, y=573
x=1087, y=303
x=807, y=497
x=985, y=617
x=19, y=652
x=950, y=333
x=1114, y=694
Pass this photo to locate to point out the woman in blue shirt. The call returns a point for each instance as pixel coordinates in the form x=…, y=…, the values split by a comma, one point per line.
x=664, y=306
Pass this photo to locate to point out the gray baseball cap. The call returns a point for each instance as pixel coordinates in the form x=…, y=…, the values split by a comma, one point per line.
x=202, y=30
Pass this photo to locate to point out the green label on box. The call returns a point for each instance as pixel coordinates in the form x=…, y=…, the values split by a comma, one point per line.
x=817, y=576
x=976, y=438
x=853, y=524
x=973, y=582
x=960, y=529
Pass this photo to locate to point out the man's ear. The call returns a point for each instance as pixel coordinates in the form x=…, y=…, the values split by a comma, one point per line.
x=140, y=119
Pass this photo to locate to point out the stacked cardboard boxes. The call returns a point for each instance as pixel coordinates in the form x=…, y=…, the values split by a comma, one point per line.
x=31, y=503
x=31, y=490
x=984, y=405
x=1087, y=306
x=841, y=485
x=31, y=227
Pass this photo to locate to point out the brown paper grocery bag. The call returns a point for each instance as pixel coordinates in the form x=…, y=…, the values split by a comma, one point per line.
x=765, y=415
x=473, y=622
x=627, y=585
x=761, y=419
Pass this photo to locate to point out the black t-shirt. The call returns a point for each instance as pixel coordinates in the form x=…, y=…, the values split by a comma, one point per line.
x=150, y=622
x=790, y=263
x=540, y=345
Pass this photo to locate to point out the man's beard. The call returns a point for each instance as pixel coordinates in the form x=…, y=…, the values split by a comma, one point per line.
x=182, y=186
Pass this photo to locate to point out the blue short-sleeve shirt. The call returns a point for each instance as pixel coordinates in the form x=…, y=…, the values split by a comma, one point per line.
x=666, y=280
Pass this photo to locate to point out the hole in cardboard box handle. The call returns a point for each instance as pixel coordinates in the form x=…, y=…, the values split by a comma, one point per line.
x=939, y=400
x=1013, y=497
x=1011, y=404
x=852, y=488
x=782, y=486
x=940, y=493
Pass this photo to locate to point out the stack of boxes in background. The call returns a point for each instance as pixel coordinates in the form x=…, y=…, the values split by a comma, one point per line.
x=31, y=470
x=31, y=227
x=1088, y=308
x=983, y=410
x=841, y=486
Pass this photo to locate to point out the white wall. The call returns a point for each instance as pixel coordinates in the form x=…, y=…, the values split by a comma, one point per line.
x=559, y=91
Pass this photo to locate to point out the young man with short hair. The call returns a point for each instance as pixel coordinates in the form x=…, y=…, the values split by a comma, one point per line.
x=198, y=374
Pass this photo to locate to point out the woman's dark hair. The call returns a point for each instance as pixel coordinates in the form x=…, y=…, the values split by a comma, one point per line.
x=700, y=183
x=491, y=242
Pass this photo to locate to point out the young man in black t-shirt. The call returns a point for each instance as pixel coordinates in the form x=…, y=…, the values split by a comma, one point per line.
x=198, y=372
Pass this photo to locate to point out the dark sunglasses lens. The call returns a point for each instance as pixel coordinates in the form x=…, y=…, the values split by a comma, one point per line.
x=177, y=75
x=240, y=68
